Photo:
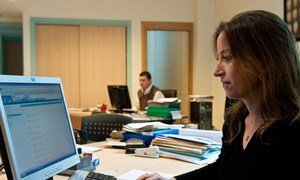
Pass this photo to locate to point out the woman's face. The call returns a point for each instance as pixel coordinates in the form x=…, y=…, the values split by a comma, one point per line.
x=235, y=84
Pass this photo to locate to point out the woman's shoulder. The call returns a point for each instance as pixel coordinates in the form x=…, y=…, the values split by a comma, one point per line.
x=294, y=128
x=286, y=130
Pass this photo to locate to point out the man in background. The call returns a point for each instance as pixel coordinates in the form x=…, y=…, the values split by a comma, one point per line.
x=147, y=91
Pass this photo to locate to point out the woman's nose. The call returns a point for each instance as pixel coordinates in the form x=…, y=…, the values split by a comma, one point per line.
x=219, y=70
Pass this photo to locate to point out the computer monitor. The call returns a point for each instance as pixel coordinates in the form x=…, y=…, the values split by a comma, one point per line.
x=36, y=137
x=119, y=97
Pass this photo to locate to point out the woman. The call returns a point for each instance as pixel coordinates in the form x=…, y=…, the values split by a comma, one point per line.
x=258, y=64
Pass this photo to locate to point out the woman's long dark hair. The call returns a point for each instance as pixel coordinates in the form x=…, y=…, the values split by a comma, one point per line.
x=263, y=47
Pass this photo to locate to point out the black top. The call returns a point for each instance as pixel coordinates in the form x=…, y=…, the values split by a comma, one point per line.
x=278, y=158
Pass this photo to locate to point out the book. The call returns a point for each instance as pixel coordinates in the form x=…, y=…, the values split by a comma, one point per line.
x=167, y=115
x=149, y=136
x=189, y=148
x=213, y=156
x=187, y=152
x=164, y=102
x=161, y=140
x=159, y=104
x=195, y=139
x=161, y=111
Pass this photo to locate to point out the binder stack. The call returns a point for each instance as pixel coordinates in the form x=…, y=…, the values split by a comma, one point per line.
x=163, y=107
x=148, y=131
x=196, y=150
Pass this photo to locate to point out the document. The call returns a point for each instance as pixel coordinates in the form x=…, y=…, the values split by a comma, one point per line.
x=194, y=139
x=134, y=174
x=176, y=114
x=116, y=144
x=212, y=157
x=209, y=134
x=88, y=149
x=155, y=125
x=166, y=100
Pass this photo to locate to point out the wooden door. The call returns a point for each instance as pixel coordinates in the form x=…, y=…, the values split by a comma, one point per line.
x=87, y=58
x=57, y=54
x=102, y=62
x=13, y=57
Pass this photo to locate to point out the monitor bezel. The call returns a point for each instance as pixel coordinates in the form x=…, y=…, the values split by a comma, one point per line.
x=119, y=109
x=46, y=172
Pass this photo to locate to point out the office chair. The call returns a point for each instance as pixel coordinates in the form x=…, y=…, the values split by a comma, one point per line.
x=100, y=126
x=169, y=92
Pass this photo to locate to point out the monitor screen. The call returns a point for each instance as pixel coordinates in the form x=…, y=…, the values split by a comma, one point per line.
x=119, y=97
x=35, y=127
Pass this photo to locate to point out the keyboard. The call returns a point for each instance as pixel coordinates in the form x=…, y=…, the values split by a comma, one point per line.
x=86, y=175
x=99, y=176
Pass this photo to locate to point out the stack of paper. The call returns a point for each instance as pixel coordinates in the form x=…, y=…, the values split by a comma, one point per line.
x=164, y=102
x=149, y=130
x=138, y=128
x=180, y=146
x=198, y=98
x=134, y=174
x=149, y=126
x=188, y=148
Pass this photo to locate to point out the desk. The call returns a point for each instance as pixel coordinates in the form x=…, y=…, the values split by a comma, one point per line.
x=120, y=163
x=76, y=117
x=116, y=159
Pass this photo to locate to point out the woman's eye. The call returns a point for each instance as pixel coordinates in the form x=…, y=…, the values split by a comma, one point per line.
x=227, y=58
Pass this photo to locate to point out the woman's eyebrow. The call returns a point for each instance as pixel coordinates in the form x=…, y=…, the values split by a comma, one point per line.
x=224, y=51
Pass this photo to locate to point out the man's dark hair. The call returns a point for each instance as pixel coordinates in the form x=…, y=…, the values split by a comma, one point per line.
x=146, y=73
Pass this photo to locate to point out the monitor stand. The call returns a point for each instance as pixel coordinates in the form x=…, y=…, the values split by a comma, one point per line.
x=123, y=111
x=118, y=110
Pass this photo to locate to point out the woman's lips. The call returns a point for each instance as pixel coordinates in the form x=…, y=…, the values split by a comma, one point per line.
x=226, y=84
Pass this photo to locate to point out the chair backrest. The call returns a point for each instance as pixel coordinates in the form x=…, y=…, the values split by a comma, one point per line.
x=100, y=126
x=169, y=92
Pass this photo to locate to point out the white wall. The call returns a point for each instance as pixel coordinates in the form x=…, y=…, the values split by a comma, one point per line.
x=11, y=20
x=225, y=9
x=132, y=10
x=129, y=10
x=204, y=26
x=205, y=14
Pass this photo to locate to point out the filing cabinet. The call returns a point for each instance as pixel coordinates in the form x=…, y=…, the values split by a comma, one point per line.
x=201, y=114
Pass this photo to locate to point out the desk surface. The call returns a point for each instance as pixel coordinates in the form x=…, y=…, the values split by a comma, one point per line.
x=116, y=161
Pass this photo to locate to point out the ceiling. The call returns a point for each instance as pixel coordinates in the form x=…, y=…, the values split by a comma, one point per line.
x=11, y=8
